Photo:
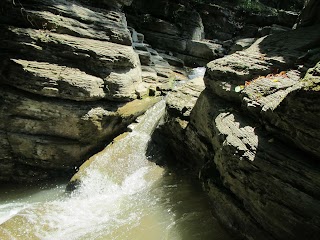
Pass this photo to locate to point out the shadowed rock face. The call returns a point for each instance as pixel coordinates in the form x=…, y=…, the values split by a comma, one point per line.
x=176, y=27
x=252, y=136
x=200, y=31
x=310, y=14
x=61, y=64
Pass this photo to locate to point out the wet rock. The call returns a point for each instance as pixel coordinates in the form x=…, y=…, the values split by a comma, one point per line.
x=180, y=103
x=182, y=99
x=251, y=176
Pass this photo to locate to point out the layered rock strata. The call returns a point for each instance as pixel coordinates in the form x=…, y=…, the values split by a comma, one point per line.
x=253, y=136
x=67, y=72
x=200, y=31
x=176, y=28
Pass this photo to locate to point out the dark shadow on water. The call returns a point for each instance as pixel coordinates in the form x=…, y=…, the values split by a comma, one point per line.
x=260, y=171
x=182, y=194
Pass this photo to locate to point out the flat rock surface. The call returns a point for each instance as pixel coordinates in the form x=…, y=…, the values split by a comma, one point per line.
x=268, y=55
x=53, y=80
x=183, y=98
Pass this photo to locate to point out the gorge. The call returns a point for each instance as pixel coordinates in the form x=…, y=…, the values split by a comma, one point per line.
x=77, y=79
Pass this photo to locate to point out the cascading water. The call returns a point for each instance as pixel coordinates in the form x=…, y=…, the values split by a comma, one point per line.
x=197, y=72
x=122, y=196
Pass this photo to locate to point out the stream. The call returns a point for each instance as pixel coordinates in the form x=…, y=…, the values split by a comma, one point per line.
x=122, y=195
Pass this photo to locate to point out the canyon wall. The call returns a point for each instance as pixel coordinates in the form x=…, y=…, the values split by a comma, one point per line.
x=68, y=78
x=252, y=135
x=73, y=75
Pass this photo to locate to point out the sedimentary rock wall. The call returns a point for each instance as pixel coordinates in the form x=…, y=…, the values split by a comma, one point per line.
x=200, y=31
x=176, y=27
x=67, y=70
x=310, y=14
x=253, y=136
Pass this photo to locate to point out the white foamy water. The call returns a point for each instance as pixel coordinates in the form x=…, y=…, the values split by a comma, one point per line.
x=197, y=72
x=122, y=196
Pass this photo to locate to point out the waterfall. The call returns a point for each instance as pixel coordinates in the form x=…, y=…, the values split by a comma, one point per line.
x=197, y=72
x=103, y=201
x=135, y=36
x=122, y=196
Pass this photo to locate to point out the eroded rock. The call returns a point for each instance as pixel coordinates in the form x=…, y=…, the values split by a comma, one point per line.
x=270, y=183
x=61, y=64
x=252, y=136
x=57, y=134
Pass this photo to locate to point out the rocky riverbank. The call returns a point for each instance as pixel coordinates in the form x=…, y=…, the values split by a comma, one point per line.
x=70, y=82
x=253, y=136
x=74, y=75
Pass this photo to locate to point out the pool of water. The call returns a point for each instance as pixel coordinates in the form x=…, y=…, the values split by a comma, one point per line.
x=173, y=207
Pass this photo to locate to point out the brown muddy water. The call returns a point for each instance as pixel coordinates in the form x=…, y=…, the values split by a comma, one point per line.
x=122, y=196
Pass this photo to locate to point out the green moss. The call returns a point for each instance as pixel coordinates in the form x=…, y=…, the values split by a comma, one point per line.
x=255, y=6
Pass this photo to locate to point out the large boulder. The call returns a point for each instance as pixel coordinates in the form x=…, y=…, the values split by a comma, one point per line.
x=47, y=136
x=268, y=55
x=178, y=135
x=118, y=3
x=259, y=185
x=99, y=59
x=67, y=18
